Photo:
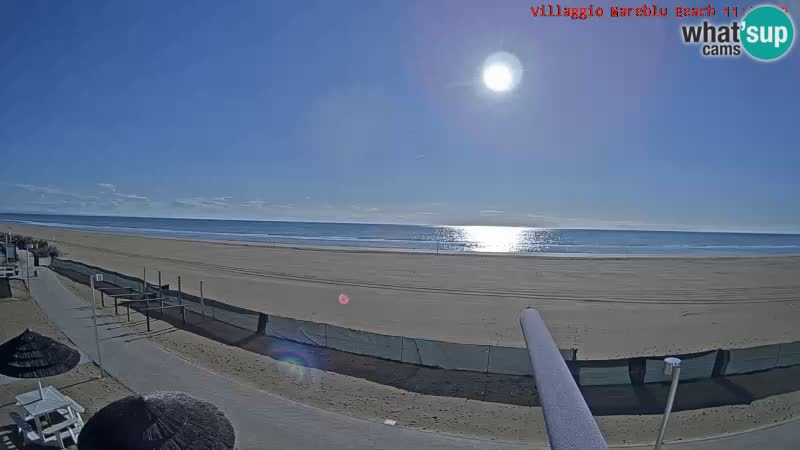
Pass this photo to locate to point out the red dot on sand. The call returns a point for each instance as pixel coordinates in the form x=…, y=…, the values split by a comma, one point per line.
x=343, y=299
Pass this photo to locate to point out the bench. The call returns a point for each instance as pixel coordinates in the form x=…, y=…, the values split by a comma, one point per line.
x=76, y=408
x=23, y=427
x=54, y=432
x=60, y=426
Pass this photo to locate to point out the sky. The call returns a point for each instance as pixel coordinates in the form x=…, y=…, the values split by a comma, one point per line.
x=374, y=111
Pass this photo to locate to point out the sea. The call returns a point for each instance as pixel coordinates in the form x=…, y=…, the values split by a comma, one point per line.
x=427, y=238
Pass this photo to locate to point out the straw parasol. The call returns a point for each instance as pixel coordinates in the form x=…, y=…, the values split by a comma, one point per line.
x=31, y=355
x=158, y=421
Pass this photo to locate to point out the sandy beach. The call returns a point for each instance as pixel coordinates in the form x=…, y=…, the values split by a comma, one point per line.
x=606, y=307
x=357, y=397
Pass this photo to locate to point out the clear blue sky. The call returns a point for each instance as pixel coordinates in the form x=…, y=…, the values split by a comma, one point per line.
x=373, y=111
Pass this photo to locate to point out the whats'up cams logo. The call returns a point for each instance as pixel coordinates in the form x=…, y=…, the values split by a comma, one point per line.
x=766, y=34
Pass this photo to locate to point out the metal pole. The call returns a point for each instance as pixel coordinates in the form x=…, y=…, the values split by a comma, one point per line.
x=128, y=307
x=180, y=300
x=671, y=366
x=148, y=315
x=94, y=320
x=28, y=265
x=567, y=418
x=144, y=279
x=202, y=300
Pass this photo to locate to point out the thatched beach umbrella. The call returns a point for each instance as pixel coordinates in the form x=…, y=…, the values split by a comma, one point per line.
x=31, y=355
x=158, y=421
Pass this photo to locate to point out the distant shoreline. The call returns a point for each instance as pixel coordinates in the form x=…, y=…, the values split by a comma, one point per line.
x=327, y=222
x=403, y=251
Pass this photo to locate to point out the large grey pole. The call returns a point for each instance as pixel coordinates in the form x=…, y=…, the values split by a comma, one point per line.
x=569, y=422
x=672, y=366
x=94, y=320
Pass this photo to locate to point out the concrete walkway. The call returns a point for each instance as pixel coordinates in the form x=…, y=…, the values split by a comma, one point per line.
x=263, y=420
x=785, y=436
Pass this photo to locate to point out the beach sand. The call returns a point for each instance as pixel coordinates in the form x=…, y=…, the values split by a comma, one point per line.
x=484, y=420
x=606, y=307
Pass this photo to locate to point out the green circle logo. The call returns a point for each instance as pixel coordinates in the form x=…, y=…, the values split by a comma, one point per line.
x=767, y=33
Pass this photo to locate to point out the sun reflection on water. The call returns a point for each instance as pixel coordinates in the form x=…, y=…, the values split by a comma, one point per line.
x=494, y=239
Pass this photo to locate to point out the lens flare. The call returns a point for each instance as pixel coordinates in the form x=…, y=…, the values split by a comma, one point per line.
x=344, y=299
x=300, y=361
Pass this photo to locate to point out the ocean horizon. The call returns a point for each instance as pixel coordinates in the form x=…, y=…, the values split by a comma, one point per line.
x=431, y=238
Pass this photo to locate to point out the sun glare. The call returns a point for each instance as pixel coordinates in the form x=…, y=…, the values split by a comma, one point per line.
x=497, y=77
x=501, y=72
x=494, y=239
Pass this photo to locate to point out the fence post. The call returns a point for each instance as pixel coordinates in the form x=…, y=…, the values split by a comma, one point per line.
x=202, y=300
x=180, y=299
x=637, y=367
x=103, y=299
x=721, y=363
x=183, y=314
x=116, y=306
x=262, y=323
x=128, y=307
x=147, y=314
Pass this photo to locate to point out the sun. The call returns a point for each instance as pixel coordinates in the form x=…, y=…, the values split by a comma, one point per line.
x=501, y=72
x=497, y=77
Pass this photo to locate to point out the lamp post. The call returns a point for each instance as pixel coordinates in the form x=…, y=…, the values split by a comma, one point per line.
x=28, y=264
x=98, y=277
x=672, y=366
